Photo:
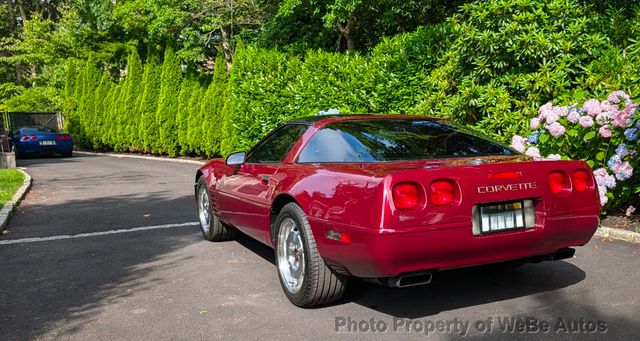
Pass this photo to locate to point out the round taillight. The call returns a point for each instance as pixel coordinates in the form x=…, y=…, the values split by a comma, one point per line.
x=581, y=180
x=34, y=138
x=405, y=196
x=67, y=138
x=441, y=192
x=25, y=138
x=557, y=182
x=59, y=137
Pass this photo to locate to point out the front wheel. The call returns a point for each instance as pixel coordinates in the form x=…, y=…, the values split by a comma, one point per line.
x=305, y=278
x=213, y=229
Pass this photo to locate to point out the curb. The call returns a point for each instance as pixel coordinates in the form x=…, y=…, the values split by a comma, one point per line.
x=628, y=236
x=8, y=208
x=154, y=158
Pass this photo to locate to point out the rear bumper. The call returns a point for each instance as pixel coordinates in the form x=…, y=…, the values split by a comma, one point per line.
x=34, y=148
x=390, y=252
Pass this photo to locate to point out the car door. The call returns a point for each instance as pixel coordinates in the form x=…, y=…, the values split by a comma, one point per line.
x=246, y=193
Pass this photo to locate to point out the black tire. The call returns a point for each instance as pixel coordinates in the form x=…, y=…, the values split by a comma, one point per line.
x=320, y=285
x=67, y=154
x=15, y=151
x=215, y=230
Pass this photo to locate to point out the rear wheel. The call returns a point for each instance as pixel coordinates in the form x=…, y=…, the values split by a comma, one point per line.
x=213, y=229
x=15, y=151
x=305, y=278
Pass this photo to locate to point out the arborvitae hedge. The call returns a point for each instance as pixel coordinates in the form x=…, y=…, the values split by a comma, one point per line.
x=148, y=129
x=168, y=105
x=491, y=66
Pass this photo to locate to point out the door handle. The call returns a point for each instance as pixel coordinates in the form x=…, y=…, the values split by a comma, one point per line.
x=265, y=179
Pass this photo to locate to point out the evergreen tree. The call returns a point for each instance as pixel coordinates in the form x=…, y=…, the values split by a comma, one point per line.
x=228, y=139
x=148, y=129
x=99, y=109
x=110, y=116
x=194, y=130
x=72, y=119
x=103, y=115
x=86, y=105
x=134, y=92
x=126, y=111
x=70, y=88
x=168, y=104
x=182, y=116
x=212, y=106
x=207, y=111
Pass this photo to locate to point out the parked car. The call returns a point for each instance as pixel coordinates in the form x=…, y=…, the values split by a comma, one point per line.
x=28, y=141
x=392, y=199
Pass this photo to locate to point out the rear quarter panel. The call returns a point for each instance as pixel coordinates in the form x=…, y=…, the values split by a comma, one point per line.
x=332, y=193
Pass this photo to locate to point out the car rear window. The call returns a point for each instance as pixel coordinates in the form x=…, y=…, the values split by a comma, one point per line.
x=379, y=140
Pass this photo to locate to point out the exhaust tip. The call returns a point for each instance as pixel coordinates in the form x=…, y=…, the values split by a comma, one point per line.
x=410, y=280
x=564, y=254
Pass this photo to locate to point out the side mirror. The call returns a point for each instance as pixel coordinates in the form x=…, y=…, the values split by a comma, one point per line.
x=235, y=159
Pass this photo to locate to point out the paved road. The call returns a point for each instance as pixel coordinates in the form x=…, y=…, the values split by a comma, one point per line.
x=171, y=284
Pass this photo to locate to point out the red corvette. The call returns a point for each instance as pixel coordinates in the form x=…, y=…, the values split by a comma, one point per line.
x=392, y=199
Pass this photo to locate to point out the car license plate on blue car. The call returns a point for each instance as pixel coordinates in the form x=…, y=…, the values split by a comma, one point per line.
x=47, y=143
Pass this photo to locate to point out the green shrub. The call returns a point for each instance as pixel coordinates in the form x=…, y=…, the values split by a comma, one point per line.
x=168, y=105
x=508, y=57
x=148, y=129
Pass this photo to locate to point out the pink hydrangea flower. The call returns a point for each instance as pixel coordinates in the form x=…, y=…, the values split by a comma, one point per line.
x=604, y=181
x=519, y=143
x=603, y=118
x=573, y=116
x=618, y=96
x=545, y=110
x=621, y=119
x=630, y=210
x=535, y=123
x=555, y=129
x=623, y=171
x=630, y=109
x=604, y=131
x=608, y=106
x=586, y=121
x=592, y=107
x=561, y=111
x=551, y=117
x=533, y=152
x=600, y=172
x=554, y=157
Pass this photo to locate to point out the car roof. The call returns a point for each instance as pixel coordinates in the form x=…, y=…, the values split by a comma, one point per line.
x=322, y=120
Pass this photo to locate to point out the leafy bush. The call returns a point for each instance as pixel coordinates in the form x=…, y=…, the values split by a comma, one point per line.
x=508, y=57
x=493, y=65
x=33, y=99
x=604, y=133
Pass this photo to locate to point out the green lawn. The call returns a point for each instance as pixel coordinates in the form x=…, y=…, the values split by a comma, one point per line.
x=10, y=181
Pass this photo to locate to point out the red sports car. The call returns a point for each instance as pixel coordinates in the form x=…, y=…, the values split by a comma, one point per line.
x=392, y=199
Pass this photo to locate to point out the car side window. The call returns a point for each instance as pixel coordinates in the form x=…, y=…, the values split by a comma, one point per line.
x=275, y=147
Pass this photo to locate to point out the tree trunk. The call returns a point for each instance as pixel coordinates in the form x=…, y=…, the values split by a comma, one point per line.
x=345, y=31
x=23, y=13
x=12, y=15
x=225, y=32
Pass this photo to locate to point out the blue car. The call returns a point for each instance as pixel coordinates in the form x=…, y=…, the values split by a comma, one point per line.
x=28, y=141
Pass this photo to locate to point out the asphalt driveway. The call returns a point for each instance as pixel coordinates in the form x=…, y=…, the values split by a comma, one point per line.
x=141, y=270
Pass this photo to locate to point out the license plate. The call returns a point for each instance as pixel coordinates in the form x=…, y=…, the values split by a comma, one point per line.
x=502, y=217
x=47, y=143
